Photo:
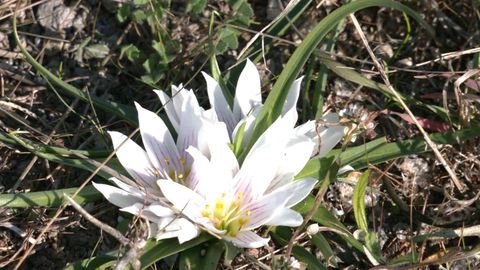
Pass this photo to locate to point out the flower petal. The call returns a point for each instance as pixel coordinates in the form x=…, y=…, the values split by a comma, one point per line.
x=128, y=188
x=117, y=196
x=325, y=136
x=181, y=228
x=286, y=217
x=184, y=199
x=296, y=155
x=133, y=158
x=190, y=126
x=292, y=97
x=169, y=108
x=264, y=209
x=219, y=103
x=247, y=239
x=296, y=190
x=158, y=141
x=262, y=162
x=248, y=93
x=199, y=179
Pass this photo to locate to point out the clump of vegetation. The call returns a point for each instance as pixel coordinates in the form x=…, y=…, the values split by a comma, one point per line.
x=369, y=108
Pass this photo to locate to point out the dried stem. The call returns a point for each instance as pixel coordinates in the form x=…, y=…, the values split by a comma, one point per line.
x=384, y=77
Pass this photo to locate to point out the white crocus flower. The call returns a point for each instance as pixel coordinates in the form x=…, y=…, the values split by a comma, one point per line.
x=161, y=159
x=231, y=201
x=246, y=107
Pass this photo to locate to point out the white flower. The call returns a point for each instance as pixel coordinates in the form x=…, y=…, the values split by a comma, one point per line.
x=232, y=201
x=247, y=104
x=161, y=159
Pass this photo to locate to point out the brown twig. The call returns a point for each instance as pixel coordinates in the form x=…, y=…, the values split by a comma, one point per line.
x=384, y=77
x=104, y=227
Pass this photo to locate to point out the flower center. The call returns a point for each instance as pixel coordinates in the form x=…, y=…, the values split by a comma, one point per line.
x=226, y=213
x=178, y=171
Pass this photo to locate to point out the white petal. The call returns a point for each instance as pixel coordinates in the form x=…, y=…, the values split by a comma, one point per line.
x=169, y=108
x=292, y=97
x=223, y=158
x=117, y=196
x=219, y=103
x=247, y=239
x=188, y=232
x=211, y=133
x=181, y=228
x=158, y=141
x=296, y=191
x=248, y=93
x=263, y=210
x=134, y=209
x=200, y=172
x=345, y=169
x=263, y=161
x=178, y=97
x=184, y=199
x=190, y=126
x=159, y=210
x=133, y=158
x=296, y=155
x=286, y=217
x=325, y=136
x=130, y=189
x=330, y=137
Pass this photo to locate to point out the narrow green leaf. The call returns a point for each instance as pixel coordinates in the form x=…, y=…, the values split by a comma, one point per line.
x=358, y=202
x=303, y=255
x=50, y=198
x=321, y=243
x=190, y=259
x=379, y=151
x=214, y=253
x=324, y=217
x=164, y=248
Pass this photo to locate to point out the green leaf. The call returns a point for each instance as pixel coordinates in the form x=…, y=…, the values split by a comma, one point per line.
x=154, y=251
x=217, y=75
x=96, y=51
x=214, y=253
x=154, y=68
x=358, y=202
x=303, y=255
x=191, y=258
x=204, y=257
x=227, y=40
x=271, y=109
x=123, y=13
x=131, y=52
x=196, y=6
x=50, y=198
x=324, y=217
x=379, y=151
x=139, y=16
x=323, y=246
x=140, y=2
x=158, y=250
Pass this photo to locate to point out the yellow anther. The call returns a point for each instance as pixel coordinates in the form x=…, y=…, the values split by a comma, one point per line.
x=182, y=161
x=219, y=205
x=249, y=212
